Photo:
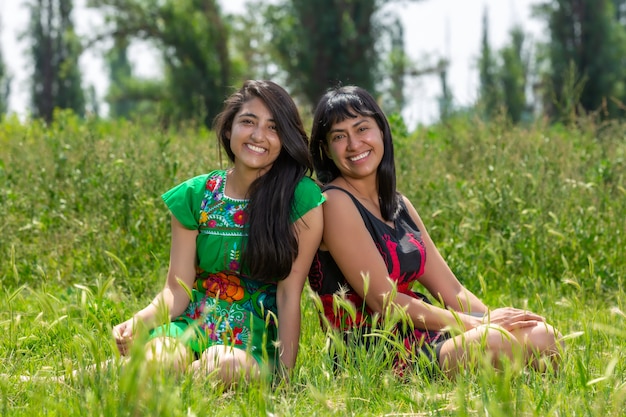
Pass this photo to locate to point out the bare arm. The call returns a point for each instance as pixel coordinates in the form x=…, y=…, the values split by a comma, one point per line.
x=182, y=267
x=360, y=256
x=173, y=298
x=443, y=284
x=439, y=279
x=309, y=233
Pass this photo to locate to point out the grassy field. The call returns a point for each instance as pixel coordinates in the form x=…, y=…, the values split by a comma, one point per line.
x=530, y=217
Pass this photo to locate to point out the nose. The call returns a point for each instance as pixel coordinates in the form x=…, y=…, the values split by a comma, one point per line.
x=257, y=133
x=351, y=142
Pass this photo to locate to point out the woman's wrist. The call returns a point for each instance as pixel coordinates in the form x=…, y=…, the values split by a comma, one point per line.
x=145, y=316
x=475, y=319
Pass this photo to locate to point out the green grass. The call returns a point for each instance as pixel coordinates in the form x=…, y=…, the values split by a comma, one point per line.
x=528, y=217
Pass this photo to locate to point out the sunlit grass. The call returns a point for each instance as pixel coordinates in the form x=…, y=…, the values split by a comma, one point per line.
x=527, y=217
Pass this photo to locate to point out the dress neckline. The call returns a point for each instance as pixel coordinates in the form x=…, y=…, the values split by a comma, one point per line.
x=224, y=175
x=359, y=204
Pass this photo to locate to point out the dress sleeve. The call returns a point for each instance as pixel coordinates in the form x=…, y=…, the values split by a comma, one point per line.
x=307, y=196
x=185, y=199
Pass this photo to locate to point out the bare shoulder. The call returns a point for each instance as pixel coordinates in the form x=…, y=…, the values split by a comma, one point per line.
x=413, y=212
x=337, y=198
x=341, y=215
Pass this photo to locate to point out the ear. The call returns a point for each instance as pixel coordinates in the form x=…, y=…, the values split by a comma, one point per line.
x=227, y=134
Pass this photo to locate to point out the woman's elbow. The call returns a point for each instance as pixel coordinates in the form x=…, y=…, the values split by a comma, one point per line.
x=378, y=304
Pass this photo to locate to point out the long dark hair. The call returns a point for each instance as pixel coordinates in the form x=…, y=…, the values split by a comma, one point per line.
x=271, y=245
x=337, y=105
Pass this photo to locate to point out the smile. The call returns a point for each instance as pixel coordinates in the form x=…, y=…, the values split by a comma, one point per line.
x=359, y=157
x=255, y=148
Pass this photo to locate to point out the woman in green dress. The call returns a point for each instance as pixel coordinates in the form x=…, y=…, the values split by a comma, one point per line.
x=242, y=243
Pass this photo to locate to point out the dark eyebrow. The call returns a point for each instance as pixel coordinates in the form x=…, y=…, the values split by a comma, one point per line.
x=254, y=116
x=355, y=124
x=248, y=115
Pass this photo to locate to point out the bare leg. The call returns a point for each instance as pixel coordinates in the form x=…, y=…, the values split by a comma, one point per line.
x=231, y=365
x=466, y=348
x=164, y=350
x=44, y=377
x=169, y=352
x=542, y=346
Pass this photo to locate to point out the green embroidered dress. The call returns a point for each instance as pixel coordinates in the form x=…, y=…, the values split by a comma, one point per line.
x=227, y=307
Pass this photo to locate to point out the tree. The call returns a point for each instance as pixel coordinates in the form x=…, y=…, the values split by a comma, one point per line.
x=396, y=66
x=327, y=42
x=489, y=93
x=587, y=39
x=129, y=96
x=5, y=86
x=251, y=51
x=620, y=11
x=120, y=71
x=55, y=50
x=445, y=100
x=512, y=76
x=192, y=39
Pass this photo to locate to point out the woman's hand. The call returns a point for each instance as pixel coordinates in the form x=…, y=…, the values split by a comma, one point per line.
x=123, y=335
x=511, y=318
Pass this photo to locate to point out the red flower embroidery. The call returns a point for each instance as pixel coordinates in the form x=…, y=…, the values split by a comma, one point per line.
x=210, y=184
x=240, y=217
x=236, y=336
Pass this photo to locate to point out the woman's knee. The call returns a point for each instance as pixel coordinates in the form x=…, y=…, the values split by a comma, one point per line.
x=498, y=339
x=542, y=339
x=490, y=342
x=230, y=364
x=169, y=351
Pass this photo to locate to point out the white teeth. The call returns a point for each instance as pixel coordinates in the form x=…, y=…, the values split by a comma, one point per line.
x=359, y=157
x=255, y=148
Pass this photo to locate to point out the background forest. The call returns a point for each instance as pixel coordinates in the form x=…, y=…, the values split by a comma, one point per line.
x=579, y=68
x=523, y=192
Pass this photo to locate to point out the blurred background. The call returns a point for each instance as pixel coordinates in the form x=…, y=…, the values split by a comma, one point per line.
x=425, y=59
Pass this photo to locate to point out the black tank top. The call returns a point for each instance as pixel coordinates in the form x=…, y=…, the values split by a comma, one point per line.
x=401, y=248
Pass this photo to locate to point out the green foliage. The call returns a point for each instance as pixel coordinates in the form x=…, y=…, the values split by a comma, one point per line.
x=503, y=76
x=551, y=197
x=325, y=43
x=513, y=75
x=527, y=217
x=193, y=39
x=336, y=46
x=55, y=50
x=126, y=93
x=251, y=45
x=59, y=185
x=395, y=67
x=588, y=35
x=5, y=85
x=487, y=69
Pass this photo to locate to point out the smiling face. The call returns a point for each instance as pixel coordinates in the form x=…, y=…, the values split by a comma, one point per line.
x=254, y=139
x=356, y=146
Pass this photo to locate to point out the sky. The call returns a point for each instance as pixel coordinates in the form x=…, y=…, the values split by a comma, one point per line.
x=433, y=29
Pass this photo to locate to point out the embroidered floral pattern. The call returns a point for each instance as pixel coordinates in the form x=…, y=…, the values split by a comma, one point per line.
x=225, y=287
x=256, y=297
x=223, y=323
x=220, y=214
x=240, y=217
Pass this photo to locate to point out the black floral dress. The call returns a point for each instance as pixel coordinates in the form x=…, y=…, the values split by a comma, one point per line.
x=403, y=251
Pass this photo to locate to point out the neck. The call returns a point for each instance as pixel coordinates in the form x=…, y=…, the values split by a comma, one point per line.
x=239, y=181
x=365, y=189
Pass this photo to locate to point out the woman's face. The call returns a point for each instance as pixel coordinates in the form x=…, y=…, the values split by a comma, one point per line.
x=253, y=137
x=356, y=146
